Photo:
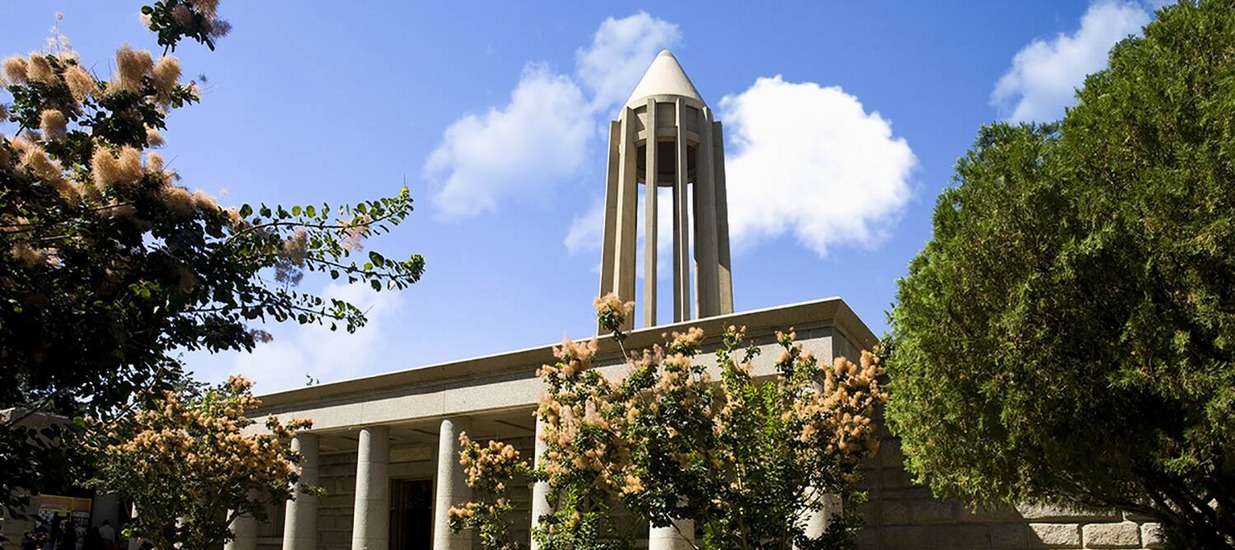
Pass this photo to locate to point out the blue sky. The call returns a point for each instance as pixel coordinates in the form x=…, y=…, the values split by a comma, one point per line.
x=843, y=121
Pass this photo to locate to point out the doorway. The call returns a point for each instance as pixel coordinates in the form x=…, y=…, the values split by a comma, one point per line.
x=411, y=514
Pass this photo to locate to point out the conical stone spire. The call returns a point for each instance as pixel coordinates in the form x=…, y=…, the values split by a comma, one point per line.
x=664, y=77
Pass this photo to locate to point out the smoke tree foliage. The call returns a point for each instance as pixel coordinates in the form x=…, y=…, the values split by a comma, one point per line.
x=746, y=458
x=109, y=265
x=189, y=466
x=1068, y=334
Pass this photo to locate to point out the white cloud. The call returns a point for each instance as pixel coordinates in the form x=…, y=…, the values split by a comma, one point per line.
x=585, y=231
x=543, y=136
x=520, y=150
x=810, y=161
x=620, y=52
x=1044, y=75
x=664, y=231
x=313, y=350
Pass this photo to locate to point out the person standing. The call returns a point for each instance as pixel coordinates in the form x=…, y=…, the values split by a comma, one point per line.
x=108, y=533
x=29, y=541
x=65, y=537
x=93, y=540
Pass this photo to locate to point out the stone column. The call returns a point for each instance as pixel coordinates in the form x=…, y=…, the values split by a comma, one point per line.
x=371, y=512
x=707, y=261
x=540, y=491
x=621, y=210
x=681, y=221
x=817, y=521
x=722, y=220
x=245, y=528
x=650, y=218
x=608, y=256
x=451, y=488
x=300, y=520
x=667, y=538
x=628, y=209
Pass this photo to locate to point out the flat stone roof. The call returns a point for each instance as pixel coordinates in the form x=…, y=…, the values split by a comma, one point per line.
x=828, y=312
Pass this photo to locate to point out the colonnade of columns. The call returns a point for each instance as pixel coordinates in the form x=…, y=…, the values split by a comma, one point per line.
x=371, y=512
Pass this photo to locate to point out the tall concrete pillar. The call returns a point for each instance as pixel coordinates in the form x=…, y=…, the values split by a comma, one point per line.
x=668, y=538
x=540, y=491
x=817, y=520
x=608, y=251
x=245, y=529
x=707, y=260
x=621, y=225
x=371, y=512
x=650, y=222
x=300, y=519
x=452, y=489
x=681, y=218
x=724, y=271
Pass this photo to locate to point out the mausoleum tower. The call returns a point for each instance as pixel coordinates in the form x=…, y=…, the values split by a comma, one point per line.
x=665, y=137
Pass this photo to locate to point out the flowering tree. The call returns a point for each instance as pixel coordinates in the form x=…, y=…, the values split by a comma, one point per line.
x=185, y=462
x=746, y=458
x=108, y=265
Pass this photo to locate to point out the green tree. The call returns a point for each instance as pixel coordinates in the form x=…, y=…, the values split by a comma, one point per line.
x=1067, y=335
x=109, y=267
x=185, y=462
x=746, y=457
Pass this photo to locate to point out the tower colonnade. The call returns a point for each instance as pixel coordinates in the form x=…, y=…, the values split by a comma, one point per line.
x=665, y=136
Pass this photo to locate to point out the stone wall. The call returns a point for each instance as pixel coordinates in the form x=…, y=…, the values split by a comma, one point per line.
x=902, y=515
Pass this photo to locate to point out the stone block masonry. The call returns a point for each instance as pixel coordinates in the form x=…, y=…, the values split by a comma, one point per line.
x=901, y=515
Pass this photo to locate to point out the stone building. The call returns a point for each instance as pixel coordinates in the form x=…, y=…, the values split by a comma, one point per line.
x=385, y=447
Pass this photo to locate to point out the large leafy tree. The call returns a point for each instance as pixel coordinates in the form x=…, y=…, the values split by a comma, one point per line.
x=1068, y=333
x=109, y=266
